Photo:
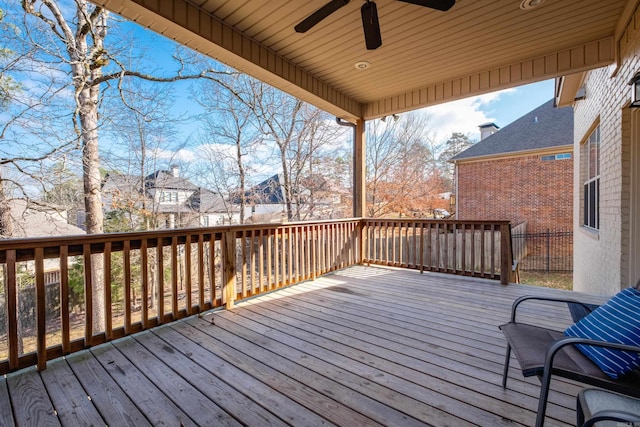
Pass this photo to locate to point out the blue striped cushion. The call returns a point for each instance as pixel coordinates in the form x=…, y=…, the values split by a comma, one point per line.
x=617, y=321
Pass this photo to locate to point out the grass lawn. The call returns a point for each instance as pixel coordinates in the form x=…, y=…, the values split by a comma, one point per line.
x=549, y=280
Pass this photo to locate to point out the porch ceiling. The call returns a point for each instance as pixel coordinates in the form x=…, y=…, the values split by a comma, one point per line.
x=427, y=56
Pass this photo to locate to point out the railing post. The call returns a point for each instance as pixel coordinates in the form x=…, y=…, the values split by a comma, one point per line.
x=506, y=256
x=229, y=273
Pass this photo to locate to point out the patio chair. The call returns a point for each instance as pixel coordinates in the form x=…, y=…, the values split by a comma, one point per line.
x=545, y=352
x=597, y=406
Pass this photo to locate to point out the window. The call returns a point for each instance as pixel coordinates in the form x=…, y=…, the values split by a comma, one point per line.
x=591, y=207
x=169, y=196
x=561, y=156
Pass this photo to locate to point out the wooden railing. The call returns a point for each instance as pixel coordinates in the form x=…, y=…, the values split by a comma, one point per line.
x=160, y=276
x=470, y=248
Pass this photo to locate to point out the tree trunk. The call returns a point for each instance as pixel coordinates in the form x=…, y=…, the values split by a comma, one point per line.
x=87, y=97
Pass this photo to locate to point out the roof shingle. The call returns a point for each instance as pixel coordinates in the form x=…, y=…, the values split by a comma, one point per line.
x=544, y=127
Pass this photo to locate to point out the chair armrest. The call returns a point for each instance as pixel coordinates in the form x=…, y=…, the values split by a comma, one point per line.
x=553, y=350
x=520, y=300
x=611, y=415
x=548, y=367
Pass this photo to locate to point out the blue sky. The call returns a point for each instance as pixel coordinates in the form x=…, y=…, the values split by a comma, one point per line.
x=501, y=108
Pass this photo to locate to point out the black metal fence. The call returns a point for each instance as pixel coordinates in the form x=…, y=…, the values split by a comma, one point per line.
x=546, y=251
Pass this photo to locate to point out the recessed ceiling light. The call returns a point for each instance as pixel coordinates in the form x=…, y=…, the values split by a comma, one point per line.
x=530, y=4
x=362, y=65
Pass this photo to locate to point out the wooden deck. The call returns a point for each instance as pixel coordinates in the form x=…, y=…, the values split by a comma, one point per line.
x=361, y=346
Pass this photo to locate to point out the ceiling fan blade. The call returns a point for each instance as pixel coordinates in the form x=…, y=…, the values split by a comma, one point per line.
x=370, y=25
x=442, y=5
x=317, y=16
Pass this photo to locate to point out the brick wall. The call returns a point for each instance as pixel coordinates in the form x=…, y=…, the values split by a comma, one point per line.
x=517, y=189
x=601, y=258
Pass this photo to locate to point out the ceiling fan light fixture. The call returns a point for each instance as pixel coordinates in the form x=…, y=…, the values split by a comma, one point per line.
x=530, y=4
x=362, y=65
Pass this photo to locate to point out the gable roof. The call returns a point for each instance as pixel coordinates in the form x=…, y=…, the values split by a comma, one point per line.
x=163, y=179
x=268, y=192
x=38, y=220
x=122, y=183
x=207, y=201
x=544, y=127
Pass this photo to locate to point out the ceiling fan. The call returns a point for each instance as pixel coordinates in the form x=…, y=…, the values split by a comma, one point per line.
x=369, y=12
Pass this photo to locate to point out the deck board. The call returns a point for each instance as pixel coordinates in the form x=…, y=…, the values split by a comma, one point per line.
x=68, y=396
x=113, y=404
x=31, y=403
x=6, y=414
x=224, y=395
x=363, y=346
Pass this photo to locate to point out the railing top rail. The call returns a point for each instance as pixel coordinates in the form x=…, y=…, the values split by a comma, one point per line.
x=440, y=221
x=30, y=242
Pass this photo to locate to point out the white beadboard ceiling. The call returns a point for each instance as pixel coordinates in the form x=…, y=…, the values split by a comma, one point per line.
x=427, y=56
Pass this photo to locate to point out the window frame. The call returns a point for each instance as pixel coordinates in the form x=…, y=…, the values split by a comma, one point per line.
x=591, y=180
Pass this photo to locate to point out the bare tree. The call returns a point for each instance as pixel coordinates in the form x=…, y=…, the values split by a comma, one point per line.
x=301, y=134
x=401, y=170
x=310, y=157
x=72, y=67
x=230, y=133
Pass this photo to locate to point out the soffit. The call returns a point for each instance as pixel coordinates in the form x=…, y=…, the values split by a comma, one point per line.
x=427, y=56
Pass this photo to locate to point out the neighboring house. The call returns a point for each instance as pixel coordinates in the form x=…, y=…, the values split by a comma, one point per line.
x=34, y=219
x=607, y=169
x=265, y=202
x=319, y=199
x=212, y=209
x=522, y=172
x=172, y=201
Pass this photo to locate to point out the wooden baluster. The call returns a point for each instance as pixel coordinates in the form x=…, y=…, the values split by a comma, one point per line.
x=174, y=277
x=160, y=281
x=296, y=254
x=41, y=321
x=64, y=299
x=463, y=253
x=11, y=290
x=243, y=259
x=200, y=272
x=421, y=246
x=289, y=256
x=144, y=277
x=269, y=264
x=229, y=282
x=212, y=268
x=314, y=252
x=187, y=272
x=108, y=324
x=261, y=262
x=252, y=262
x=126, y=259
x=493, y=251
x=88, y=294
x=482, y=249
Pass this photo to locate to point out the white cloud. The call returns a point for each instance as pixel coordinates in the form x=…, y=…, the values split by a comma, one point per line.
x=183, y=155
x=464, y=115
